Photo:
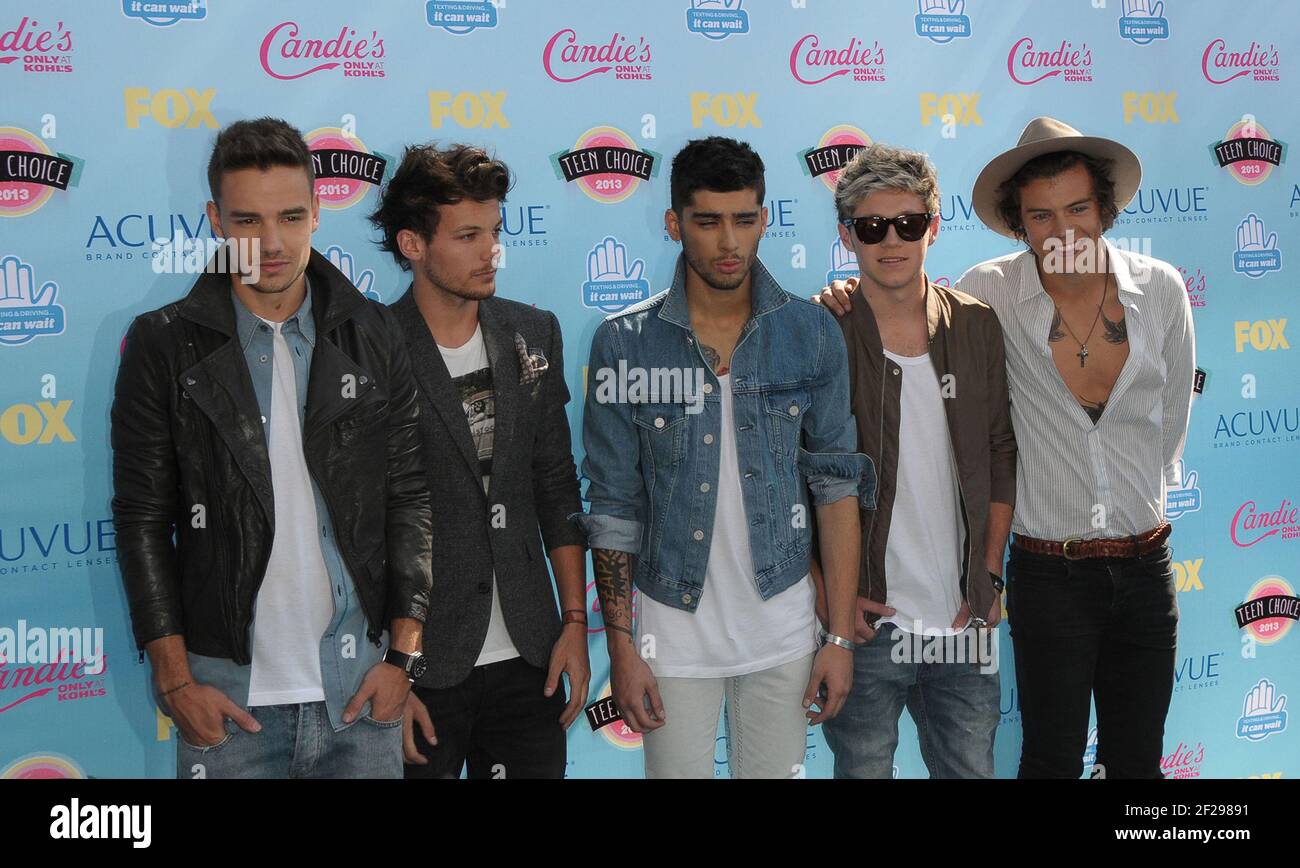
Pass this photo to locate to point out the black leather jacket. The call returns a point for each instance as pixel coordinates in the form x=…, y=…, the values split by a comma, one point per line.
x=190, y=459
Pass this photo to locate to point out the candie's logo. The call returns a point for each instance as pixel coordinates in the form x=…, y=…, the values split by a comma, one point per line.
x=1248, y=152
x=813, y=62
x=164, y=13
x=30, y=172
x=1183, y=761
x=838, y=145
x=287, y=53
x=1220, y=66
x=606, y=164
x=34, y=48
x=39, y=661
x=1270, y=610
x=1250, y=526
x=460, y=16
x=345, y=168
x=567, y=59
x=1029, y=65
x=1194, y=280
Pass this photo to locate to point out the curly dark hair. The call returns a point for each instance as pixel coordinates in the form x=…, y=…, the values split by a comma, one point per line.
x=257, y=144
x=716, y=163
x=428, y=177
x=1051, y=165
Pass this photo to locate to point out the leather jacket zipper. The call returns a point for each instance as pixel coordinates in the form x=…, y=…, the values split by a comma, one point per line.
x=371, y=633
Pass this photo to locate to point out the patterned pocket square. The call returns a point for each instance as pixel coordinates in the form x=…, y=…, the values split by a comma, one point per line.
x=532, y=363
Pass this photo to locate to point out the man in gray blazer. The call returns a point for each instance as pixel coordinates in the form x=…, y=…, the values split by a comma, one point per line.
x=500, y=468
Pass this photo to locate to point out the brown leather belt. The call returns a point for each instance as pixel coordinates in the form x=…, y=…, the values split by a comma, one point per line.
x=1076, y=549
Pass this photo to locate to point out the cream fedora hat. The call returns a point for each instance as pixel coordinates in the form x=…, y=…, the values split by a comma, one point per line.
x=1045, y=136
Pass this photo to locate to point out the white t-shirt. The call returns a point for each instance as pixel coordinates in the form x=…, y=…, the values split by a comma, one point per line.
x=471, y=377
x=733, y=631
x=924, y=553
x=294, y=606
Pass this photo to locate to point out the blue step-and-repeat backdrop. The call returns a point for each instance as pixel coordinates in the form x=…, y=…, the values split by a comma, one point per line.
x=108, y=111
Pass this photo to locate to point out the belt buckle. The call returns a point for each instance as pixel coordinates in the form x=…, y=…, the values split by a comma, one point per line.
x=1065, y=548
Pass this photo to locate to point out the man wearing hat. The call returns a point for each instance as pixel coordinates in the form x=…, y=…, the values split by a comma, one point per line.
x=1100, y=362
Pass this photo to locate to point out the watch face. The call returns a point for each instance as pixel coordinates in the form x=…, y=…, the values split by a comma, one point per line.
x=418, y=666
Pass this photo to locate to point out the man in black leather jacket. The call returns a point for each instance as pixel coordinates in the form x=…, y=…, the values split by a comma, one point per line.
x=270, y=502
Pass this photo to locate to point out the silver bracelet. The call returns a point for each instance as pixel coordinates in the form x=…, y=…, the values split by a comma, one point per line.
x=832, y=639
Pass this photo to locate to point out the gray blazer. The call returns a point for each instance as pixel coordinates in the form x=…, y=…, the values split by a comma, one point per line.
x=533, y=489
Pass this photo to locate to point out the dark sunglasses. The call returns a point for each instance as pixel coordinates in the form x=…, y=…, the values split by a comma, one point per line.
x=872, y=230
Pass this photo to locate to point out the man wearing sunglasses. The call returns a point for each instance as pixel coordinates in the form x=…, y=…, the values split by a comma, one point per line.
x=1101, y=359
x=929, y=393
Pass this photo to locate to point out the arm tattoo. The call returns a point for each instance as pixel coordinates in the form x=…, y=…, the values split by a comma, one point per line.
x=1116, y=332
x=613, y=571
x=715, y=361
x=1054, y=333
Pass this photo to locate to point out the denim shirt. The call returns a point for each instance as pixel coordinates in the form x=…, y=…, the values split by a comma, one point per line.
x=652, y=454
x=345, y=653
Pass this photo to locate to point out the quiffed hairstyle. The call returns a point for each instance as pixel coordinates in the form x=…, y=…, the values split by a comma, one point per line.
x=1049, y=166
x=257, y=144
x=719, y=164
x=884, y=167
x=429, y=177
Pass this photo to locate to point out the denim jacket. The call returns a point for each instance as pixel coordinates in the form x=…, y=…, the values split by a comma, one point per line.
x=652, y=454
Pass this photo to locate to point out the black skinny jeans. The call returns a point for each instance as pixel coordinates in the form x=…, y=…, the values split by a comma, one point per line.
x=1103, y=627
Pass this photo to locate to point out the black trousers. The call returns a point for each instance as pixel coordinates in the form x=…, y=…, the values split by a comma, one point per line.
x=1103, y=628
x=497, y=721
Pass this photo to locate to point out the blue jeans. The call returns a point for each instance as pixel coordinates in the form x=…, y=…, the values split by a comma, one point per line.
x=297, y=741
x=955, y=707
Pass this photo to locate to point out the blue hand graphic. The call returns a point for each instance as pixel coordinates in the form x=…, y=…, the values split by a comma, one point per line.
x=842, y=258
x=1262, y=700
x=941, y=7
x=607, y=261
x=342, y=260
x=1250, y=235
x=16, y=281
x=1143, y=9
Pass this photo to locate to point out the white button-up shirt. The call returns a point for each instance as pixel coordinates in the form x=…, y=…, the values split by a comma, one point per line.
x=1075, y=478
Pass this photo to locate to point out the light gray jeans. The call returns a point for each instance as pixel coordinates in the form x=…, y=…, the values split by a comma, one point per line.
x=766, y=728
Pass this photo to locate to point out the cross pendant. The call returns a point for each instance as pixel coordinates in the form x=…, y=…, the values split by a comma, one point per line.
x=1083, y=355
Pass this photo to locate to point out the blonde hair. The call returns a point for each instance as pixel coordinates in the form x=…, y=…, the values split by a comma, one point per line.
x=884, y=167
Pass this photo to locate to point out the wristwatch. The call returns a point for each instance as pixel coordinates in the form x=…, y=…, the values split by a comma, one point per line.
x=413, y=665
x=998, y=584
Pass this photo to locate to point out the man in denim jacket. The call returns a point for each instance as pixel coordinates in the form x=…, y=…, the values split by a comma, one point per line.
x=715, y=412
